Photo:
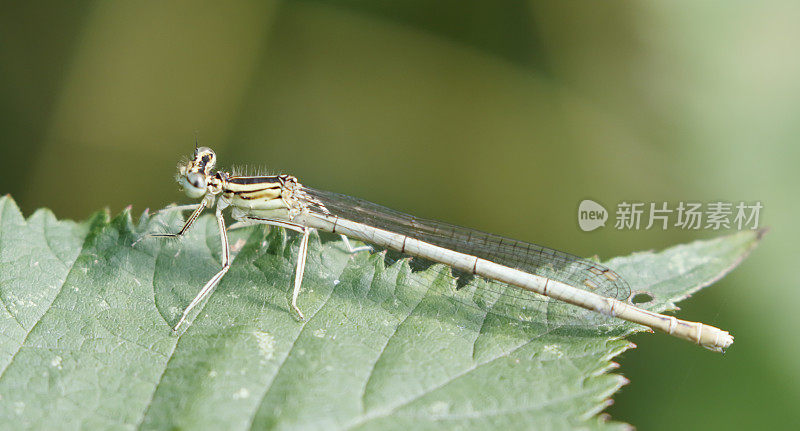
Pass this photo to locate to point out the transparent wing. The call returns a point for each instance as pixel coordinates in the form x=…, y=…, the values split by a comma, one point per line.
x=498, y=297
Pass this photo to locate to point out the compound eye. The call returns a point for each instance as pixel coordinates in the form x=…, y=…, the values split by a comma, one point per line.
x=196, y=180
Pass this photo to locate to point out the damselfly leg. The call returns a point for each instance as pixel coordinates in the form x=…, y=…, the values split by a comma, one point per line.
x=351, y=249
x=198, y=209
x=301, y=255
x=226, y=265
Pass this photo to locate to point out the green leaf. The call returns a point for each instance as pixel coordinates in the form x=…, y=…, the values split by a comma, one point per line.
x=86, y=339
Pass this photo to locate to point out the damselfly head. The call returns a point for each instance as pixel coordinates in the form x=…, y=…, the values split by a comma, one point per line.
x=193, y=176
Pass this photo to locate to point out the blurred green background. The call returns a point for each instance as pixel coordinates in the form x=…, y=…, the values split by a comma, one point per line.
x=499, y=115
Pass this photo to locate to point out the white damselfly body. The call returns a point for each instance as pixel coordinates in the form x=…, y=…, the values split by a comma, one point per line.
x=281, y=200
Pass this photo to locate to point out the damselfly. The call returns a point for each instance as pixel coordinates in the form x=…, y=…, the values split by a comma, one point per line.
x=281, y=200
